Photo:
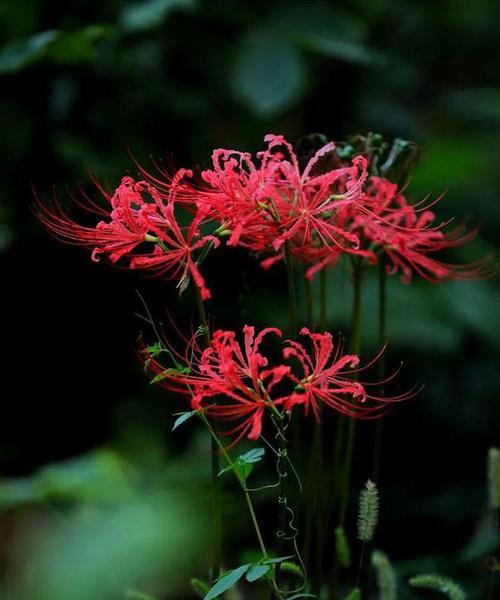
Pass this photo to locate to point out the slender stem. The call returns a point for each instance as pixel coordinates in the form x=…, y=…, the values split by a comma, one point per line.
x=292, y=293
x=248, y=499
x=282, y=474
x=293, y=328
x=323, y=317
x=309, y=303
x=360, y=565
x=492, y=578
x=355, y=344
x=241, y=481
x=215, y=463
x=382, y=320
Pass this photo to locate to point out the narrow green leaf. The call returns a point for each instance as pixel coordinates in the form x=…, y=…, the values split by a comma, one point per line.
x=227, y=581
x=140, y=16
x=20, y=53
x=183, y=418
x=168, y=372
x=256, y=572
x=273, y=561
x=252, y=456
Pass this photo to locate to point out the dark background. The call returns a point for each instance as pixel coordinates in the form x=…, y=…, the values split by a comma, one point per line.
x=84, y=86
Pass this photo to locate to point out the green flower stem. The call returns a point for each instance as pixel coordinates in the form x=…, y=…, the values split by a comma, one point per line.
x=493, y=574
x=360, y=564
x=220, y=447
x=215, y=463
x=355, y=346
x=309, y=303
x=382, y=320
x=293, y=329
x=292, y=293
x=324, y=299
x=282, y=474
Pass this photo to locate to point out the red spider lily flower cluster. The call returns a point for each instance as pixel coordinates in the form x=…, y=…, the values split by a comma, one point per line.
x=235, y=383
x=408, y=237
x=268, y=203
x=140, y=226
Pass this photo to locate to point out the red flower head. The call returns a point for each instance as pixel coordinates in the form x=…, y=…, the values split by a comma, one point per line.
x=232, y=383
x=138, y=213
x=236, y=384
x=409, y=238
x=267, y=203
x=328, y=378
x=125, y=228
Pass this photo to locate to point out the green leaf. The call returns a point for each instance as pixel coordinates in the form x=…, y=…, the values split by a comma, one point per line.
x=273, y=561
x=78, y=46
x=227, y=581
x=59, y=46
x=155, y=349
x=252, y=456
x=100, y=475
x=140, y=16
x=21, y=53
x=168, y=372
x=268, y=73
x=243, y=471
x=256, y=572
x=244, y=463
x=183, y=418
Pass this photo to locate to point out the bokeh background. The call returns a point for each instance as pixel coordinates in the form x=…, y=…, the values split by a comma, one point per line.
x=96, y=494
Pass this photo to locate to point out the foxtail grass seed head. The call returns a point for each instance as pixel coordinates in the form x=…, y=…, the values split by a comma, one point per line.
x=290, y=567
x=494, y=478
x=386, y=577
x=342, y=547
x=368, y=512
x=439, y=584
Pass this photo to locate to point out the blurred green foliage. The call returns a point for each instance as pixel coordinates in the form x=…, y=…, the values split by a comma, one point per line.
x=177, y=78
x=99, y=526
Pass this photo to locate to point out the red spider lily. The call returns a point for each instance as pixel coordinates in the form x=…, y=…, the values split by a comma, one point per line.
x=325, y=380
x=173, y=252
x=124, y=231
x=236, y=379
x=132, y=220
x=235, y=383
x=267, y=204
x=409, y=238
